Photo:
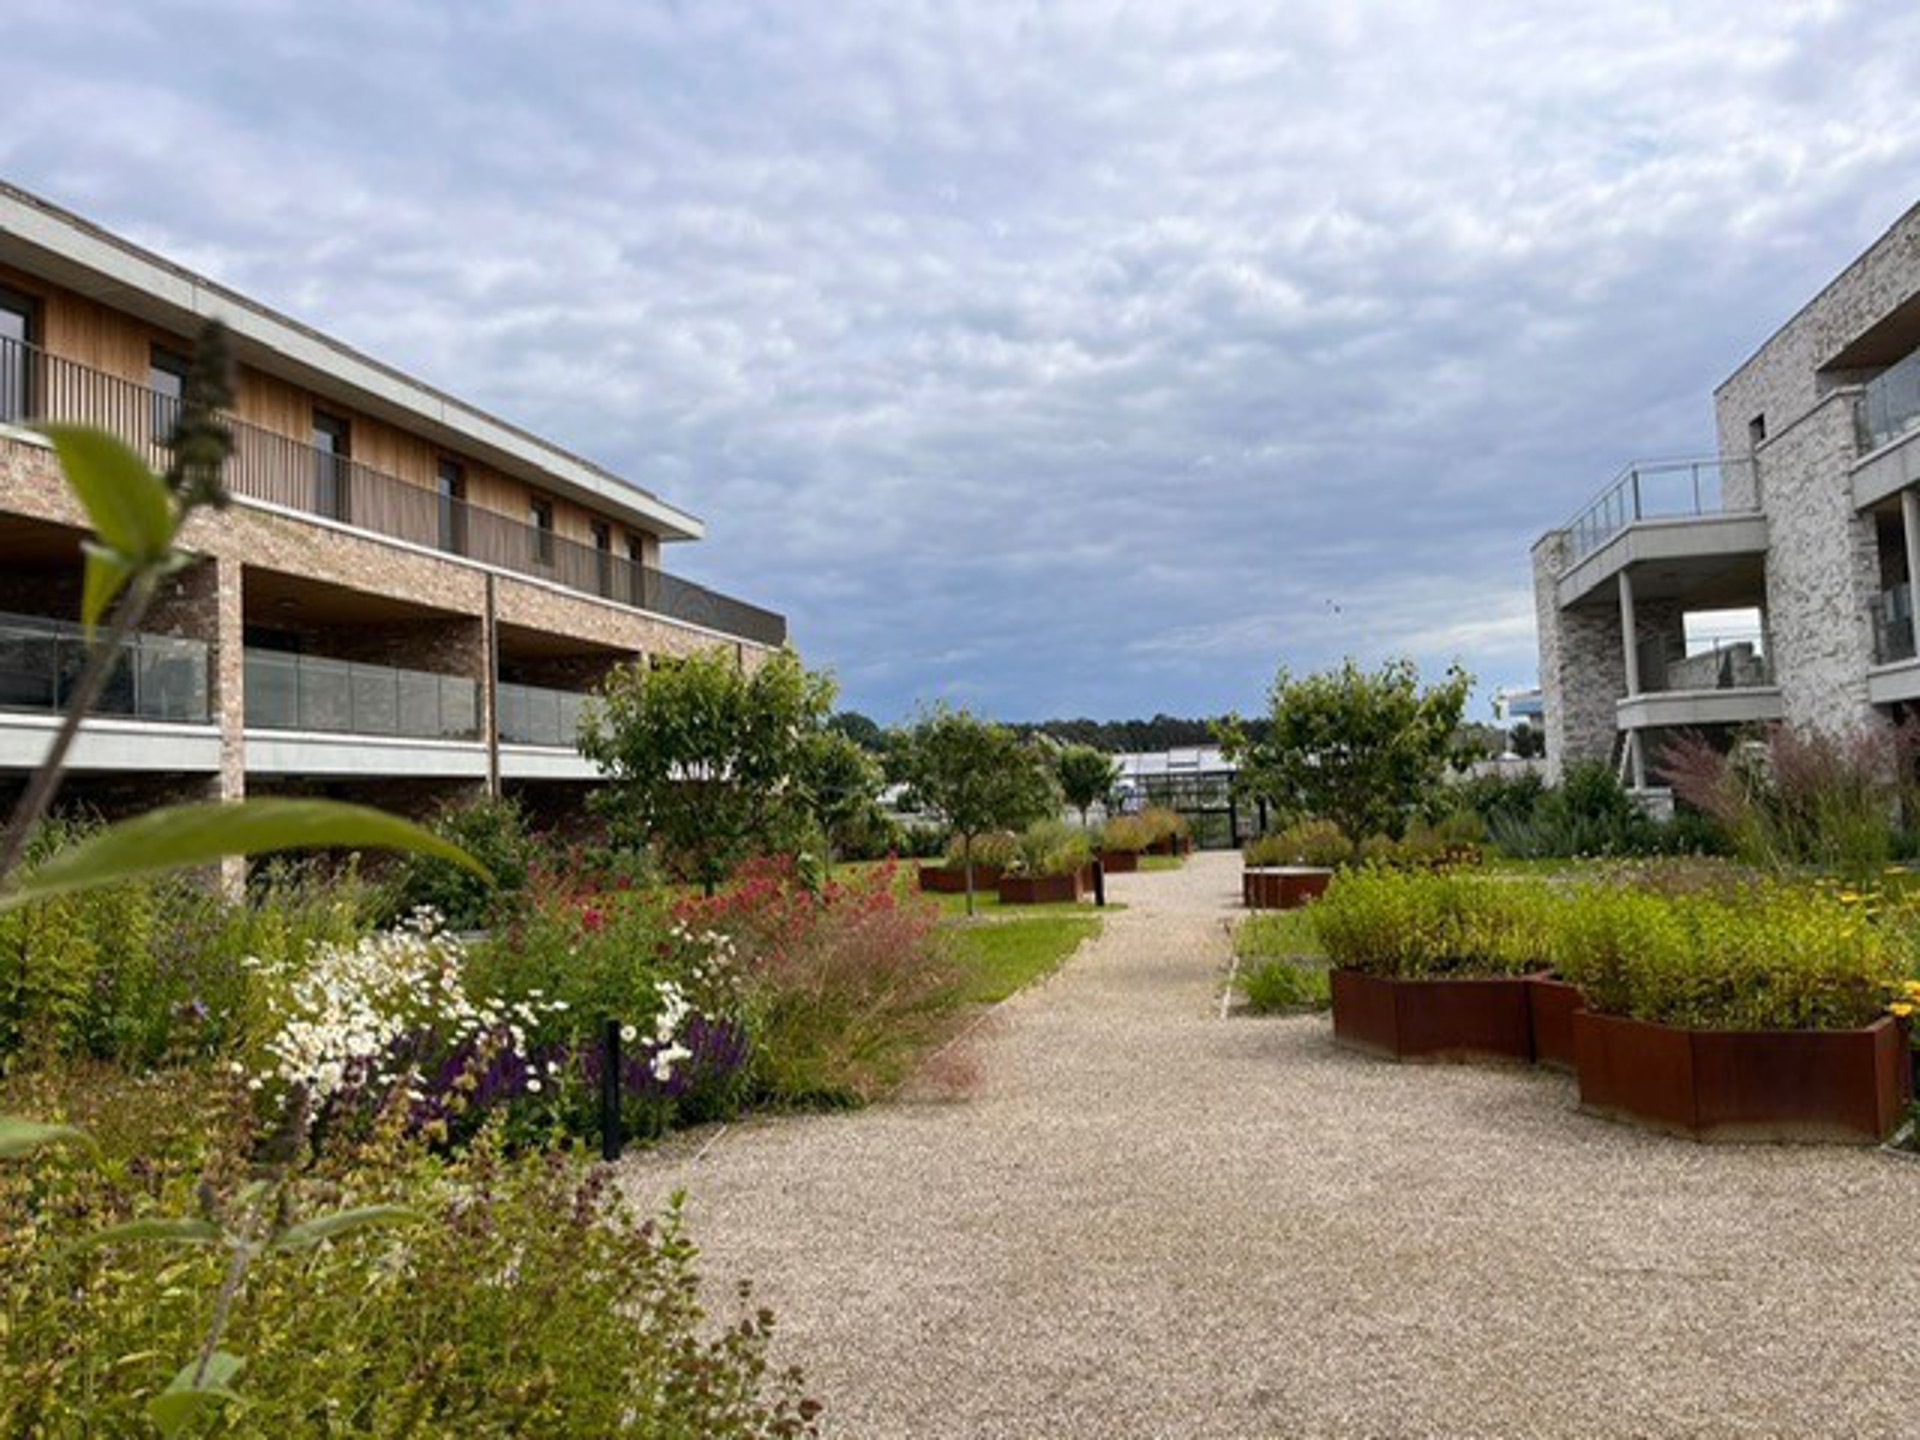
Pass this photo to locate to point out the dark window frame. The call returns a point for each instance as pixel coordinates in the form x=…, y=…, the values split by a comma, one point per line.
x=164, y=413
x=540, y=522
x=333, y=466
x=18, y=390
x=450, y=504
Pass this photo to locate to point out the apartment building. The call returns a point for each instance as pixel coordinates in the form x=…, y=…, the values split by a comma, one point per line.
x=1773, y=581
x=406, y=601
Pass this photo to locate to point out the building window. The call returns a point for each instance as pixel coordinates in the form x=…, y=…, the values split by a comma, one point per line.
x=450, y=499
x=1757, y=429
x=603, y=557
x=19, y=329
x=540, y=516
x=332, y=470
x=167, y=379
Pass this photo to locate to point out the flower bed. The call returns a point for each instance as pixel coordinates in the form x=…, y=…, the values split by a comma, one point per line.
x=952, y=879
x=1064, y=889
x=1432, y=965
x=1751, y=1015
x=1282, y=887
x=1847, y=1086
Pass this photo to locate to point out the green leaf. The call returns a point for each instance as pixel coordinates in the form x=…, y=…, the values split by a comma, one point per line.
x=127, y=503
x=180, y=836
x=185, y=1398
x=179, y=1230
x=22, y=1137
x=341, y=1222
x=107, y=573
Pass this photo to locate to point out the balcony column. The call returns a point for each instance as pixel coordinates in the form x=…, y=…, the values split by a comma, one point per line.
x=1628, y=634
x=490, y=688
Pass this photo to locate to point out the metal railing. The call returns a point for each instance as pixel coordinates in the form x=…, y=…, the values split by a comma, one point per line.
x=536, y=715
x=1893, y=625
x=1651, y=490
x=1737, y=661
x=310, y=692
x=1889, y=404
x=294, y=475
x=158, y=677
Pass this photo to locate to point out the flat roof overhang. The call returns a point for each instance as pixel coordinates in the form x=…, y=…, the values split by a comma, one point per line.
x=64, y=249
x=1713, y=558
x=1688, y=709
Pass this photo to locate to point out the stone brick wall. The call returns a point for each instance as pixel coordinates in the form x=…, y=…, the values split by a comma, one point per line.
x=1783, y=380
x=1583, y=668
x=1822, y=570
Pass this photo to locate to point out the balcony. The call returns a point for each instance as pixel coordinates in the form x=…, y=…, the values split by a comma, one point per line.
x=535, y=715
x=348, y=697
x=291, y=475
x=157, y=677
x=1702, y=680
x=1655, y=490
x=1889, y=405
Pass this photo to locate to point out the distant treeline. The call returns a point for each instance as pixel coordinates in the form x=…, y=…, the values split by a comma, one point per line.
x=1162, y=732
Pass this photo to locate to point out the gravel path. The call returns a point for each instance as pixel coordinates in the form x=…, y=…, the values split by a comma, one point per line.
x=1149, y=1220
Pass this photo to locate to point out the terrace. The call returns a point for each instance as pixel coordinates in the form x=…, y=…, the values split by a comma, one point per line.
x=280, y=473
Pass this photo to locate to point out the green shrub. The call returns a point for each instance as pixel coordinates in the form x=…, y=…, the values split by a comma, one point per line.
x=1280, y=986
x=1053, y=847
x=1128, y=833
x=1775, y=958
x=523, y=1299
x=1414, y=923
x=996, y=847
x=494, y=832
x=1307, y=842
x=1163, y=824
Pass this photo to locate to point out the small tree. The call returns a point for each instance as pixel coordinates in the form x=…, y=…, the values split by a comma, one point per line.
x=704, y=757
x=1363, y=750
x=977, y=775
x=841, y=784
x=1087, y=776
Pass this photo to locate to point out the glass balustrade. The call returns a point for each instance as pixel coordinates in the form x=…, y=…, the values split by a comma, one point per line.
x=310, y=692
x=534, y=715
x=1890, y=404
x=157, y=677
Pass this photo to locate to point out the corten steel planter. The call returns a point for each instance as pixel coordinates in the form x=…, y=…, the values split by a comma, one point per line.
x=1172, y=845
x=1043, y=889
x=1464, y=1018
x=1120, y=862
x=1283, y=887
x=952, y=879
x=1840, y=1086
x=1552, y=1002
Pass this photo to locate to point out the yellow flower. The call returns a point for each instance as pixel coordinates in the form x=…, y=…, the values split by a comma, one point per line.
x=1900, y=1007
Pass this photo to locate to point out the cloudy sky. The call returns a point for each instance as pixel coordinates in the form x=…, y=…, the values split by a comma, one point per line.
x=1054, y=359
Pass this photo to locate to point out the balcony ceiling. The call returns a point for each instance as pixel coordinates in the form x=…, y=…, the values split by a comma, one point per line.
x=272, y=598
x=1716, y=560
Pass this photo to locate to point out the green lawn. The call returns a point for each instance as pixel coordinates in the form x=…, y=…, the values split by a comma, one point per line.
x=1161, y=862
x=1004, y=956
x=1281, y=968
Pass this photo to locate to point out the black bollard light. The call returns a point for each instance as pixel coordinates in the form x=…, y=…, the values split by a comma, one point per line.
x=1099, y=883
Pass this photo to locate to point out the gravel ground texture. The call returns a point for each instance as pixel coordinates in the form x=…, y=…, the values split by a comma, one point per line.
x=1145, y=1219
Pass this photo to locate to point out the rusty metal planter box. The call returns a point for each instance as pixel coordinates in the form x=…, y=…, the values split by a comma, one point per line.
x=952, y=879
x=1042, y=889
x=1120, y=862
x=1465, y=1018
x=1843, y=1086
x=1283, y=887
x=1172, y=845
x=1551, y=1002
